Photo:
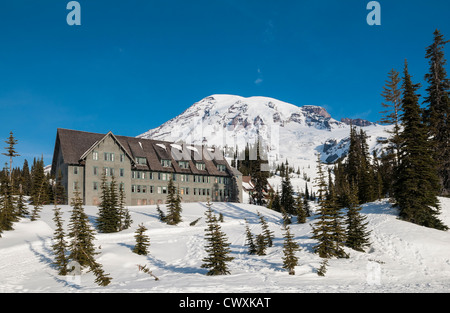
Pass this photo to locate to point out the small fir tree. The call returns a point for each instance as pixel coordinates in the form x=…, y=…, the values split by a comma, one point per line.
x=249, y=242
x=161, y=214
x=59, y=244
x=287, y=200
x=357, y=236
x=261, y=244
x=173, y=204
x=217, y=246
x=7, y=204
x=81, y=234
x=290, y=247
x=60, y=193
x=323, y=268
x=266, y=232
x=125, y=220
x=81, y=246
x=142, y=241
x=328, y=229
x=302, y=214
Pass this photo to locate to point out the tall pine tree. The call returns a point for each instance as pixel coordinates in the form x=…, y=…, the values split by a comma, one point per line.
x=11, y=151
x=437, y=113
x=417, y=184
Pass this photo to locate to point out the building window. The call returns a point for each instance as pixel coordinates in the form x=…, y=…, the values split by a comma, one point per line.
x=165, y=163
x=142, y=161
x=95, y=156
x=150, y=189
x=108, y=157
x=162, y=190
x=122, y=157
x=150, y=175
x=121, y=172
x=133, y=188
x=200, y=166
x=184, y=178
x=183, y=164
x=75, y=185
x=95, y=170
x=95, y=186
x=75, y=170
x=221, y=167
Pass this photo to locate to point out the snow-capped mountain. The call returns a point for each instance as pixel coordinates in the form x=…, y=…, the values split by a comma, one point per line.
x=288, y=131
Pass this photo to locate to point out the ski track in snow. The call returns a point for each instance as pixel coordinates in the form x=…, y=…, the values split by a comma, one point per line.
x=403, y=257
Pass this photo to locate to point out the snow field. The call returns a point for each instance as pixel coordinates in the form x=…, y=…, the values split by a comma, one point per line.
x=403, y=257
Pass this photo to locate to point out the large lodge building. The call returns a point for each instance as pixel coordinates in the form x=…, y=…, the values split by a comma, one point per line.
x=143, y=168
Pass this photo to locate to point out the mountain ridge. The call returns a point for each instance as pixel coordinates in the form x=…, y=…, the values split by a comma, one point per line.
x=289, y=132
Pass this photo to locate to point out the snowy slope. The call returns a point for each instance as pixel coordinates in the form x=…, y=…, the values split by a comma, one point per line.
x=403, y=258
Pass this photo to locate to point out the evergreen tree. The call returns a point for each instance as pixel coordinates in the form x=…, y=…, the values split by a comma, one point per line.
x=302, y=214
x=81, y=234
x=290, y=261
x=142, y=241
x=266, y=232
x=173, y=204
x=81, y=246
x=437, y=113
x=38, y=196
x=276, y=204
x=249, y=240
x=392, y=95
x=357, y=236
x=60, y=193
x=59, y=245
x=101, y=278
x=7, y=203
x=417, y=184
x=162, y=216
x=327, y=229
x=109, y=213
x=217, y=246
x=21, y=206
x=323, y=267
x=26, y=176
x=124, y=213
x=286, y=217
x=261, y=245
x=287, y=200
x=259, y=174
x=11, y=152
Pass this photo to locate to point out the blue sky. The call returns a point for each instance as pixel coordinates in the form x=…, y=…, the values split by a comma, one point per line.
x=132, y=65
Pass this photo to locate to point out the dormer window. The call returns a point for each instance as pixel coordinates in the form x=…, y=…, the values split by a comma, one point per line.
x=165, y=163
x=221, y=167
x=142, y=161
x=183, y=164
x=200, y=166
